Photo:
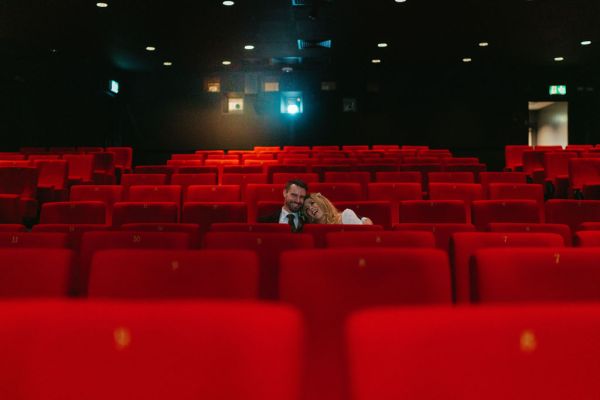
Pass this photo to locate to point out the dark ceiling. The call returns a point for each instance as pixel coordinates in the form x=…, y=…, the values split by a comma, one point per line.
x=197, y=35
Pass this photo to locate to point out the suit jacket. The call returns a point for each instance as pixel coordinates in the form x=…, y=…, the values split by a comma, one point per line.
x=274, y=219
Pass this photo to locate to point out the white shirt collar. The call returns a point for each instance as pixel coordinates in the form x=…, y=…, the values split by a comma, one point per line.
x=283, y=217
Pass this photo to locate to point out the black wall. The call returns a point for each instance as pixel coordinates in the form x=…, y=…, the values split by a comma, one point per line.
x=471, y=109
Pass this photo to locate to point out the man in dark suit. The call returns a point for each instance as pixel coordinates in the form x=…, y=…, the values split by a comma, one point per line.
x=294, y=194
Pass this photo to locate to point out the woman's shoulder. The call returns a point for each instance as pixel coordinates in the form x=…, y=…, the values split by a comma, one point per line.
x=350, y=217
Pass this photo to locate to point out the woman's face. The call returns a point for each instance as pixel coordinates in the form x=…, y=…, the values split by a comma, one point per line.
x=313, y=210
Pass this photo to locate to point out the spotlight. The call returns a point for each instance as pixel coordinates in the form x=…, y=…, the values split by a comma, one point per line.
x=291, y=103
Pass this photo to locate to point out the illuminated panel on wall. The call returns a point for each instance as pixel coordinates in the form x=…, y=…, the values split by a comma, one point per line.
x=235, y=105
x=271, y=85
x=113, y=87
x=291, y=103
x=212, y=84
x=557, y=90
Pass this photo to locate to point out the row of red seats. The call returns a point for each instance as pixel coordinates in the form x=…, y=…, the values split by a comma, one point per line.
x=280, y=174
x=442, y=232
x=268, y=248
x=386, y=213
x=569, y=171
x=191, y=350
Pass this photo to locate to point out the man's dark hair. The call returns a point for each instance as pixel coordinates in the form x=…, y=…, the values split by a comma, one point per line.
x=296, y=182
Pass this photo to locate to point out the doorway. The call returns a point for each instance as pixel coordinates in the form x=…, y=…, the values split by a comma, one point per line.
x=548, y=123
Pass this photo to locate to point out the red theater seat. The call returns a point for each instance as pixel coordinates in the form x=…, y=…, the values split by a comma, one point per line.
x=128, y=180
x=143, y=274
x=52, y=180
x=514, y=156
x=18, y=188
x=399, y=177
x=485, y=212
x=379, y=239
x=433, y=211
x=18, y=240
x=319, y=231
x=81, y=168
x=92, y=242
x=531, y=191
x=257, y=193
x=467, y=192
x=268, y=247
x=205, y=214
x=281, y=178
x=243, y=179
x=338, y=191
x=108, y=194
x=156, y=169
x=74, y=232
x=465, y=244
x=572, y=212
x=128, y=212
x=181, y=350
x=584, y=171
x=245, y=227
x=587, y=239
x=193, y=230
x=12, y=228
x=329, y=284
x=35, y=272
x=536, y=275
x=186, y=180
x=212, y=193
x=485, y=178
x=451, y=177
x=73, y=212
x=442, y=232
x=156, y=193
x=472, y=353
x=360, y=177
x=394, y=191
x=123, y=158
x=562, y=229
x=589, y=226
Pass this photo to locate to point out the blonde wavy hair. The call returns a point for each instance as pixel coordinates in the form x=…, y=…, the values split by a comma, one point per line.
x=331, y=215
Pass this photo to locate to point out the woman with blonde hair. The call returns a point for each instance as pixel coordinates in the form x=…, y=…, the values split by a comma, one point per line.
x=319, y=210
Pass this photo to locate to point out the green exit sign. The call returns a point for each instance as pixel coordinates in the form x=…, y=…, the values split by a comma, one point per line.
x=557, y=90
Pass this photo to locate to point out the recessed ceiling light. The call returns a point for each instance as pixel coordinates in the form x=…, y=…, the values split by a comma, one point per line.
x=467, y=60
x=400, y=1
x=249, y=47
x=167, y=63
x=226, y=62
x=228, y=3
x=382, y=45
x=586, y=42
x=559, y=58
x=101, y=5
x=150, y=48
x=376, y=61
x=483, y=44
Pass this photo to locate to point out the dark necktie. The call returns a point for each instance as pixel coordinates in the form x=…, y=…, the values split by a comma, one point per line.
x=291, y=218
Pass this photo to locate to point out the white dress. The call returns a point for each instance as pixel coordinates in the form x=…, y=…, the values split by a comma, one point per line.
x=349, y=217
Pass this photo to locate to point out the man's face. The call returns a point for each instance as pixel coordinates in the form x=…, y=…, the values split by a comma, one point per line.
x=293, y=198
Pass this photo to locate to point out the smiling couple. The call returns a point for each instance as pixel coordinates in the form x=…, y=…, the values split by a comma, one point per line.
x=300, y=207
